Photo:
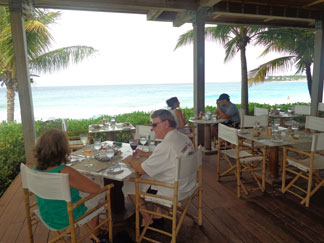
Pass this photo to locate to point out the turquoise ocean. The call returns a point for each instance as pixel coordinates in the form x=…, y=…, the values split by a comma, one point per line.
x=91, y=101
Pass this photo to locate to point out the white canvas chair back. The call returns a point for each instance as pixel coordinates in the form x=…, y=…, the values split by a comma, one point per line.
x=260, y=111
x=53, y=186
x=228, y=134
x=142, y=130
x=302, y=110
x=320, y=106
x=314, y=123
x=318, y=142
x=187, y=165
x=249, y=121
x=64, y=125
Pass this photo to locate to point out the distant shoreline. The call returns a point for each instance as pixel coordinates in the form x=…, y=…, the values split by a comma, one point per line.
x=153, y=84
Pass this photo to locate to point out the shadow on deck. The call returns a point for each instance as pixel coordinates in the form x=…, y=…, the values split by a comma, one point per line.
x=271, y=217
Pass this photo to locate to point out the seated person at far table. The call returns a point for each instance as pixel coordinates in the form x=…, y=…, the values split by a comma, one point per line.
x=227, y=110
x=160, y=164
x=173, y=103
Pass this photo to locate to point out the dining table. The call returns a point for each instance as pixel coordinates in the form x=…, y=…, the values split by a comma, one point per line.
x=283, y=116
x=273, y=142
x=207, y=128
x=111, y=130
x=113, y=171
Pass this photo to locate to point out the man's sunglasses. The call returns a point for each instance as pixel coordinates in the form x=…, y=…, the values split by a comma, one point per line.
x=155, y=124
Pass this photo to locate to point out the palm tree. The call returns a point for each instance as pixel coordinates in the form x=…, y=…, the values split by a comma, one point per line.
x=235, y=39
x=298, y=44
x=39, y=57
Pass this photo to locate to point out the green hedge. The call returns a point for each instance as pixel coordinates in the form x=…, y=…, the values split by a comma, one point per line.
x=12, y=144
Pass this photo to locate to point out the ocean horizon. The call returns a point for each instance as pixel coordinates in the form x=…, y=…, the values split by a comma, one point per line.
x=81, y=102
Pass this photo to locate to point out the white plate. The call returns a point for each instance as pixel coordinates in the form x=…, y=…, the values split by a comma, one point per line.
x=116, y=170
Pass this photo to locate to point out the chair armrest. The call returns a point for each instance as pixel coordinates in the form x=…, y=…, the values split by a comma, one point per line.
x=156, y=183
x=286, y=148
x=87, y=198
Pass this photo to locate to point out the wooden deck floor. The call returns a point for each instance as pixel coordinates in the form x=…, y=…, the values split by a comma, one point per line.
x=268, y=217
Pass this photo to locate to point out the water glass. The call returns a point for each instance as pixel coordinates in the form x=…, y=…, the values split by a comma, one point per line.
x=113, y=123
x=110, y=153
x=97, y=144
x=151, y=146
x=143, y=141
x=84, y=139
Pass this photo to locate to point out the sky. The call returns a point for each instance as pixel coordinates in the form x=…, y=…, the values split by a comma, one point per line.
x=132, y=50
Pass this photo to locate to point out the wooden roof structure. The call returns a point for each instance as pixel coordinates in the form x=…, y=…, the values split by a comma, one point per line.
x=293, y=13
x=289, y=13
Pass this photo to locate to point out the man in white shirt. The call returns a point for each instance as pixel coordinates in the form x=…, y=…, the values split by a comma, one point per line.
x=160, y=165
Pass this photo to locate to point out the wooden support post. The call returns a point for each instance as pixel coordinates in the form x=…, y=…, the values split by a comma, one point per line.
x=318, y=72
x=199, y=68
x=22, y=77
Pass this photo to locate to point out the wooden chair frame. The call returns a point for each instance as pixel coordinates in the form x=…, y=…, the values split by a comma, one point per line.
x=307, y=168
x=73, y=224
x=171, y=205
x=74, y=136
x=246, y=161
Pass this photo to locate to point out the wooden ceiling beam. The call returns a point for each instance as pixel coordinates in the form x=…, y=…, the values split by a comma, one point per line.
x=208, y=3
x=182, y=17
x=265, y=18
x=314, y=3
x=154, y=14
x=118, y=5
x=254, y=22
x=231, y=8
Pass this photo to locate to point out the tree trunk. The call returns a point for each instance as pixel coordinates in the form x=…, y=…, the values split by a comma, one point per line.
x=10, y=103
x=309, y=79
x=244, y=82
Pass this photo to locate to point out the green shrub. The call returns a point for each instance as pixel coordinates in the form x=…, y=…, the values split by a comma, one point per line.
x=12, y=153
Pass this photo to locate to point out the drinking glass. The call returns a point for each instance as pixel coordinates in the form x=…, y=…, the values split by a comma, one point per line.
x=97, y=144
x=113, y=123
x=87, y=152
x=133, y=144
x=256, y=126
x=143, y=141
x=84, y=139
x=110, y=154
x=294, y=128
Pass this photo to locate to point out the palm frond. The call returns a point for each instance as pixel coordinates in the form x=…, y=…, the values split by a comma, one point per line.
x=185, y=39
x=282, y=63
x=60, y=58
x=46, y=17
x=230, y=49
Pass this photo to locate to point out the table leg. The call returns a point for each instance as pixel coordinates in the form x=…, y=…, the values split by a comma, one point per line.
x=207, y=143
x=111, y=136
x=274, y=162
x=117, y=196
